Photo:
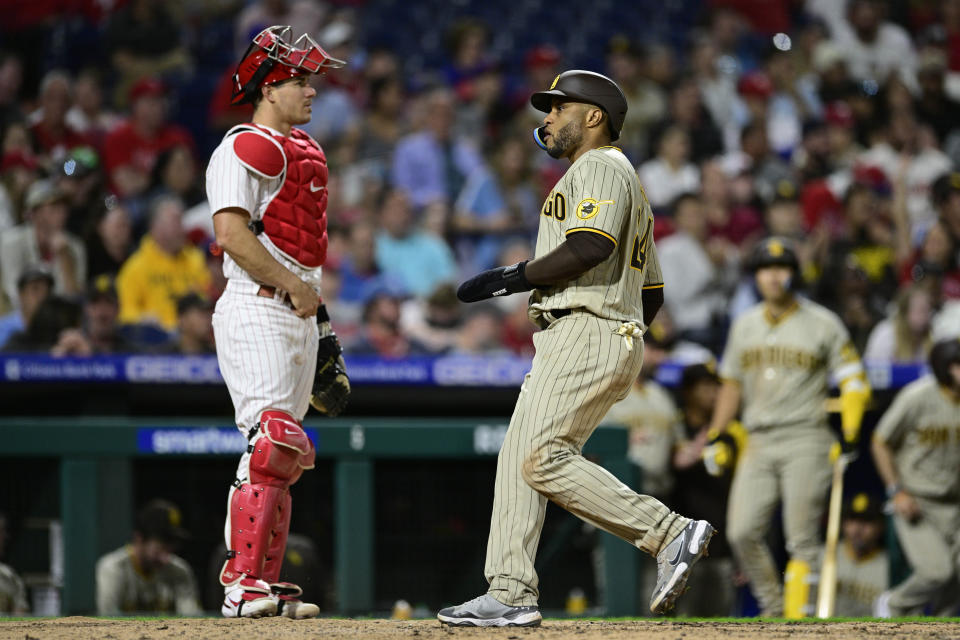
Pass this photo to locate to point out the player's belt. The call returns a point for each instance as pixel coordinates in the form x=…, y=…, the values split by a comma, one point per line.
x=547, y=318
x=266, y=291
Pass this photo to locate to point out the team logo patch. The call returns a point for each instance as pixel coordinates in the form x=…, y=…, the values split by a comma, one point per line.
x=775, y=248
x=590, y=207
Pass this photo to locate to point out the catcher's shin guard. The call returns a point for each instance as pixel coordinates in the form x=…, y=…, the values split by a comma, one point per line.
x=278, y=455
x=278, y=542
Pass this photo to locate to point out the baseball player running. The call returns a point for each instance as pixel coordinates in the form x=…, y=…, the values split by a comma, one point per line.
x=597, y=286
x=916, y=448
x=777, y=361
x=266, y=184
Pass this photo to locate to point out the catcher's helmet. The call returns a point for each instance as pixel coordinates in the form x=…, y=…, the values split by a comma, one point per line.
x=773, y=251
x=271, y=58
x=943, y=354
x=589, y=87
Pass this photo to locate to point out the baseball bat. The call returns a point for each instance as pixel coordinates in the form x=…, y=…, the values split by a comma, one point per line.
x=827, y=591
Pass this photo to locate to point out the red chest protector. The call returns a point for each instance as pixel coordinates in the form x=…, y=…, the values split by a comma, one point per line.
x=295, y=219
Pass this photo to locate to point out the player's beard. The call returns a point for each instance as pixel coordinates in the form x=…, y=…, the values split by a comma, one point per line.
x=568, y=137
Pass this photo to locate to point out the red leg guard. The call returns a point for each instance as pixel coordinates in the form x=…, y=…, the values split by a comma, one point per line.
x=278, y=544
x=260, y=509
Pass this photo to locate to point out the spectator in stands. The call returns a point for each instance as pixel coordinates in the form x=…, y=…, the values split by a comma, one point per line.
x=88, y=116
x=335, y=109
x=873, y=47
x=765, y=167
x=303, y=16
x=144, y=576
x=43, y=240
x=55, y=328
x=130, y=151
x=194, y=335
x=841, y=136
x=52, y=134
x=13, y=593
x=831, y=75
x=793, y=101
x=109, y=239
x=18, y=170
x=80, y=178
x=946, y=199
x=728, y=218
x=625, y=67
x=11, y=81
x=144, y=39
x=479, y=333
x=101, y=311
x=380, y=333
x=863, y=568
x=495, y=206
x=904, y=337
x=934, y=265
x=33, y=287
x=686, y=110
x=432, y=165
x=162, y=270
x=175, y=174
x=701, y=274
x=670, y=173
x=718, y=88
x=381, y=125
x=360, y=275
x=933, y=106
x=420, y=260
x=702, y=485
x=437, y=321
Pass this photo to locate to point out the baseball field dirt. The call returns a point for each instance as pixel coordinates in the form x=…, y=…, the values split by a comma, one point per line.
x=79, y=628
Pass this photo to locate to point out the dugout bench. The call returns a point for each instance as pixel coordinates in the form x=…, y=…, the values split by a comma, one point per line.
x=96, y=471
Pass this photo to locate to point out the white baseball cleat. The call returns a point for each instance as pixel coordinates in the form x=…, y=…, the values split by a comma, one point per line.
x=487, y=611
x=248, y=598
x=289, y=605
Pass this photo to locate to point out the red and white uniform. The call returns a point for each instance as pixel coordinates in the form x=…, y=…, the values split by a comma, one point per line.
x=267, y=354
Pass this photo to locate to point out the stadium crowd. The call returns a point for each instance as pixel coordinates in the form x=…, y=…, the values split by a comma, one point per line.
x=839, y=131
x=835, y=124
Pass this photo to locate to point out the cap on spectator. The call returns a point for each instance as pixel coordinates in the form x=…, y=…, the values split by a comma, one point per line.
x=872, y=177
x=34, y=274
x=543, y=55
x=17, y=158
x=863, y=506
x=161, y=520
x=825, y=55
x=193, y=301
x=839, y=114
x=944, y=186
x=756, y=84
x=931, y=61
x=43, y=192
x=102, y=288
x=80, y=162
x=697, y=373
x=337, y=33
x=147, y=87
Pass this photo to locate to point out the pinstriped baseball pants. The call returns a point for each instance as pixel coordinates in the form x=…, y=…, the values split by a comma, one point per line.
x=580, y=369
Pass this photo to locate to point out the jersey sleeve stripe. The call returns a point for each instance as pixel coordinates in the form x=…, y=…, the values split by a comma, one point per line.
x=592, y=230
x=659, y=285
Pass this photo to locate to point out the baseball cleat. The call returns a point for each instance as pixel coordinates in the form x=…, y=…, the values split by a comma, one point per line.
x=248, y=598
x=289, y=605
x=881, y=606
x=486, y=611
x=675, y=561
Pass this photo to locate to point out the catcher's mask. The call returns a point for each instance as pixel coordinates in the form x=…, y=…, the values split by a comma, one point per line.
x=271, y=58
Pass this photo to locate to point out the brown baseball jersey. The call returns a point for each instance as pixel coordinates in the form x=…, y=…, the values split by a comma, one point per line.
x=600, y=193
x=783, y=365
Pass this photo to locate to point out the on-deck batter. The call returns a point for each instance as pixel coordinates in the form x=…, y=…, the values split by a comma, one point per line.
x=598, y=286
x=777, y=360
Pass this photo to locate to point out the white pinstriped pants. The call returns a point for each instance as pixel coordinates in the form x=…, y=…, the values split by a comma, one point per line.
x=580, y=369
x=267, y=355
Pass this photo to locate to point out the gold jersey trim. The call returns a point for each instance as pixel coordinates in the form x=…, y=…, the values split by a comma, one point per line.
x=590, y=229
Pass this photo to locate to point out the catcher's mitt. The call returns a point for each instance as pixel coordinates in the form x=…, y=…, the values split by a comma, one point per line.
x=331, y=386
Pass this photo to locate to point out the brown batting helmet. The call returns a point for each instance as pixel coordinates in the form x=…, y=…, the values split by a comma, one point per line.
x=589, y=87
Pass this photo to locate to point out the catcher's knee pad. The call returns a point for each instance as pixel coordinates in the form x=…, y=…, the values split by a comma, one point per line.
x=281, y=451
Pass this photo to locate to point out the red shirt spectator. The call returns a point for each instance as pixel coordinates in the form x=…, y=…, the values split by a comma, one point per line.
x=49, y=128
x=130, y=151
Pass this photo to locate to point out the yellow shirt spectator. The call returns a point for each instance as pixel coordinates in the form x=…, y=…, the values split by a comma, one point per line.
x=161, y=271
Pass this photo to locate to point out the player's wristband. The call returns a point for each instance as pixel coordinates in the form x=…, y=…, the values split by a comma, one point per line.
x=893, y=489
